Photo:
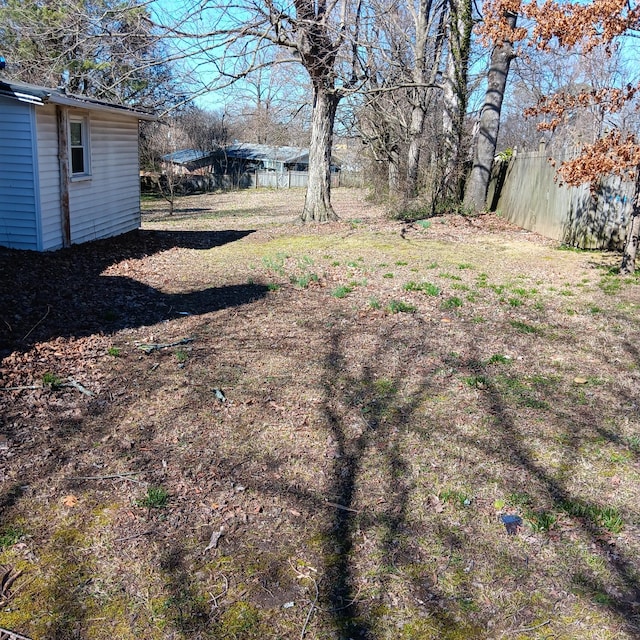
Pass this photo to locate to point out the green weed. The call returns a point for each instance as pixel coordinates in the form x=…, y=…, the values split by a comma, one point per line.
x=610, y=285
x=524, y=327
x=541, y=521
x=303, y=281
x=114, y=352
x=397, y=306
x=156, y=498
x=342, y=291
x=605, y=517
x=478, y=382
x=10, y=536
x=276, y=263
x=452, y=303
x=425, y=287
x=52, y=380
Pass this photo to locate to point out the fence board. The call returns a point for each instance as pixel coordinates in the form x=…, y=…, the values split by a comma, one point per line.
x=528, y=193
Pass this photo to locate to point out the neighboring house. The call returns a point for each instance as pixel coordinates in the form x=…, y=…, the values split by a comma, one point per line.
x=69, y=169
x=239, y=158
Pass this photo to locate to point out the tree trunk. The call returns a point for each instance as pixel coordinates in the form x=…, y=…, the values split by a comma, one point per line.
x=628, y=265
x=394, y=173
x=489, y=125
x=413, y=157
x=317, y=203
x=455, y=96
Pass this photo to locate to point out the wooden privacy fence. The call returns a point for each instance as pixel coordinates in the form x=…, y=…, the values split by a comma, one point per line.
x=526, y=190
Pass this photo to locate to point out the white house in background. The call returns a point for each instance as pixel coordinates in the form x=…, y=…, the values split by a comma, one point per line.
x=69, y=169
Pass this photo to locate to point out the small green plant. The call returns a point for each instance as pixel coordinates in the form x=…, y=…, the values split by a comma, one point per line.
x=10, y=536
x=633, y=442
x=305, y=262
x=432, y=265
x=610, y=285
x=505, y=156
x=541, y=521
x=523, y=327
x=374, y=303
x=397, y=306
x=156, y=498
x=478, y=382
x=605, y=517
x=182, y=356
x=387, y=275
x=342, y=291
x=275, y=264
x=424, y=224
x=452, y=303
x=499, y=358
x=457, y=498
x=520, y=499
x=465, y=265
x=114, y=352
x=273, y=286
x=425, y=287
x=515, y=302
x=449, y=276
x=51, y=380
x=401, y=263
x=303, y=281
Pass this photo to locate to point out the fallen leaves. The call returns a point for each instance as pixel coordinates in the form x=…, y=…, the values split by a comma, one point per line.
x=70, y=501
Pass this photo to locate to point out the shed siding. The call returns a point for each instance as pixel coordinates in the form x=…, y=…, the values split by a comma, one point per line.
x=109, y=202
x=49, y=177
x=18, y=177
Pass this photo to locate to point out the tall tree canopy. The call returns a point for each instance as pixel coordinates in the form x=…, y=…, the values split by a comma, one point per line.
x=102, y=48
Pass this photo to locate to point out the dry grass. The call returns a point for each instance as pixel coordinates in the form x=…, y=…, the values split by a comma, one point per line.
x=386, y=394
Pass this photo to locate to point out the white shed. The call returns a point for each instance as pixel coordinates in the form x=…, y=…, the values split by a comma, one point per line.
x=69, y=169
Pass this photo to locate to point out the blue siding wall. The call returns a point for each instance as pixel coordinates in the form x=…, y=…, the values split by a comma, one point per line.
x=19, y=227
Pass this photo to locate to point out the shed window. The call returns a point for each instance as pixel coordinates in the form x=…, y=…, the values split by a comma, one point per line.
x=79, y=143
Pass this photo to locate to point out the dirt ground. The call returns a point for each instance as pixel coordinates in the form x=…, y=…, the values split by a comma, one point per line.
x=231, y=425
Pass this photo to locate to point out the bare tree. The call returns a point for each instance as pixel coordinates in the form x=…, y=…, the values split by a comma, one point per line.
x=203, y=130
x=319, y=35
x=404, y=61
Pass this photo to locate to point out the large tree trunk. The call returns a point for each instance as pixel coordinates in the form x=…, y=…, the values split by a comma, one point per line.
x=455, y=96
x=413, y=157
x=628, y=265
x=317, y=203
x=489, y=125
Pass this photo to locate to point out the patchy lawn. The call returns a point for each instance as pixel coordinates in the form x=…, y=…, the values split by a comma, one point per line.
x=229, y=425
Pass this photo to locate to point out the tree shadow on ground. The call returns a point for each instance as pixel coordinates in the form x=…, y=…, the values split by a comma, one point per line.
x=64, y=293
